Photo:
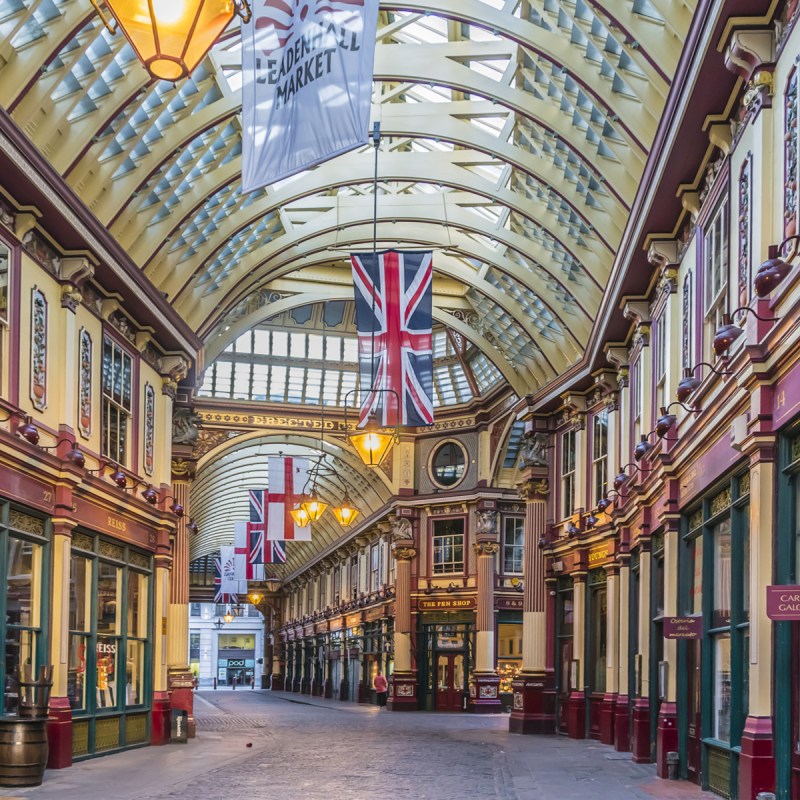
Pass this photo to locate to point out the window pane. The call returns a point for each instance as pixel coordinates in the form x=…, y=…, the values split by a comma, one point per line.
x=696, y=592
x=721, y=718
x=76, y=671
x=722, y=574
x=79, y=593
x=23, y=582
x=134, y=673
x=106, y=672
x=137, y=605
x=108, y=599
x=20, y=655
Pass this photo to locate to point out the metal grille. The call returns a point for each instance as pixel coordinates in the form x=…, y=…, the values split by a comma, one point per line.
x=136, y=729
x=719, y=772
x=80, y=739
x=106, y=733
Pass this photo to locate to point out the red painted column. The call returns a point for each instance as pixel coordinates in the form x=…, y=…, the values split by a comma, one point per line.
x=403, y=683
x=533, y=708
x=487, y=681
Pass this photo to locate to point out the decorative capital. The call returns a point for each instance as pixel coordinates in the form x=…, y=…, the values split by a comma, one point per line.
x=404, y=553
x=486, y=548
x=487, y=522
x=533, y=489
x=183, y=469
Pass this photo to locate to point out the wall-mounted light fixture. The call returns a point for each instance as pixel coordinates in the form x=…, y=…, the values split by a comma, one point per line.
x=775, y=268
x=728, y=333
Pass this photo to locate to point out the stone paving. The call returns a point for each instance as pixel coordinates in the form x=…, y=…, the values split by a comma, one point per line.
x=255, y=745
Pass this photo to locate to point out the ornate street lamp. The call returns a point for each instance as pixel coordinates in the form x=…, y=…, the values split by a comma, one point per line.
x=171, y=37
x=345, y=513
x=372, y=443
x=313, y=507
x=300, y=516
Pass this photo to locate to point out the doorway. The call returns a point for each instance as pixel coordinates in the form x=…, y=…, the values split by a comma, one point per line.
x=450, y=686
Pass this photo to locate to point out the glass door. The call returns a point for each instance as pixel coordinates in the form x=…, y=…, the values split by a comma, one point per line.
x=449, y=681
x=564, y=624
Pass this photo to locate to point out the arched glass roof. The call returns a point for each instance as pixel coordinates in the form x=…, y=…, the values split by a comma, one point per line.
x=515, y=134
x=310, y=356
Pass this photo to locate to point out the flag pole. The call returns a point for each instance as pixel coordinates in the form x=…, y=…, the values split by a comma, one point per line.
x=376, y=141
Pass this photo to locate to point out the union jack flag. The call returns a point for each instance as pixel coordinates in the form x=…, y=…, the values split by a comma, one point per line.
x=262, y=550
x=219, y=595
x=393, y=292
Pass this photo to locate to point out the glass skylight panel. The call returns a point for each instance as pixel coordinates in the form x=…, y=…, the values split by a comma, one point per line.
x=313, y=385
x=261, y=342
x=350, y=349
x=297, y=345
x=330, y=389
x=333, y=348
x=316, y=348
x=244, y=344
x=295, y=384
x=514, y=443
x=260, y=382
x=280, y=343
x=241, y=381
x=277, y=383
x=484, y=372
x=349, y=381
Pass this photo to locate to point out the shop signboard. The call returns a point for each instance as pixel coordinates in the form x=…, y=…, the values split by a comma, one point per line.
x=783, y=603
x=683, y=627
x=508, y=603
x=446, y=603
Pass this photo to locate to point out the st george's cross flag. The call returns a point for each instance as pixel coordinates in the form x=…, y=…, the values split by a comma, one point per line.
x=307, y=84
x=394, y=305
x=287, y=479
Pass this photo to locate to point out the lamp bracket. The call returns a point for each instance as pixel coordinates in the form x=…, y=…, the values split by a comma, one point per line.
x=112, y=29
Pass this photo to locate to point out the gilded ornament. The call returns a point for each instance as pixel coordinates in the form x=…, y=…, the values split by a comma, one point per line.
x=404, y=553
x=486, y=548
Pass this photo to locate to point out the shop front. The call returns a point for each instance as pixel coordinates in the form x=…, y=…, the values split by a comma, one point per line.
x=713, y=686
x=377, y=650
x=109, y=680
x=509, y=646
x=24, y=560
x=445, y=659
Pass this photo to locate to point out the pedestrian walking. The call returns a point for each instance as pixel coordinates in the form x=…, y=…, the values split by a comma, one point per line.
x=380, y=686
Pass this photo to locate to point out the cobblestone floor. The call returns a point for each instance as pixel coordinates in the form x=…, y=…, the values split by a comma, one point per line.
x=310, y=749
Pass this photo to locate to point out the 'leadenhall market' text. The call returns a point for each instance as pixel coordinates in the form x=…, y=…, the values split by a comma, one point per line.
x=309, y=58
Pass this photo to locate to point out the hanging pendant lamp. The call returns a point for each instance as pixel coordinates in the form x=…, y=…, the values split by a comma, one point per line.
x=171, y=37
x=313, y=506
x=345, y=513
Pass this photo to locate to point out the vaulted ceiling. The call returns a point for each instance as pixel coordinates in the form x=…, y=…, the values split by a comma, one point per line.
x=514, y=137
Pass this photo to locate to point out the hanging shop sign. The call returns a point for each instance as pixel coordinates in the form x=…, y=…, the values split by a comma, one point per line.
x=307, y=85
x=446, y=603
x=783, y=603
x=683, y=627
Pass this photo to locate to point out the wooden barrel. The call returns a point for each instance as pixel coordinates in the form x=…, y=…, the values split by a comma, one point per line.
x=23, y=751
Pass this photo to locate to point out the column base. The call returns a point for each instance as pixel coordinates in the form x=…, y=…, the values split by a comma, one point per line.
x=484, y=694
x=327, y=692
x=622, y=725
x=666, y=736
x=403, y=692
x=297, y=686
x=59, y=734
x=640, y=734
x=533, y=705
x=576, y=716
x=757, y=758
x=181, y=690
x=160, y=719
x=607, y=715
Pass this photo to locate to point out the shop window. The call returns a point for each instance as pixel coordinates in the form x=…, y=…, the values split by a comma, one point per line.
x=22, y=614
x=598, y=625
x=513, y=545
x=448, y=546
x=717, y=586
x=716, y=256
x=509, y=653
x=568, y=447
x=110, y=649
x=600, y=455
x=117, y=401
x=80, y=629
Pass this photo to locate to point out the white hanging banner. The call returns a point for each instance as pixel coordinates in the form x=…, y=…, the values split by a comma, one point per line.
x=307, y=70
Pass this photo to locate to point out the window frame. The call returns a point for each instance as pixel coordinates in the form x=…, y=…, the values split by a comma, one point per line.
x=433, y=536
x=600, y=461
x=518, y=527
x=569, y=472
x=128, y=456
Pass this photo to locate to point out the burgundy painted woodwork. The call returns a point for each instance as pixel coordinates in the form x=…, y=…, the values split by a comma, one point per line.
x=607, y=718
x=622, y=724
x=533, y=706
x=576, y=715
x=666, y=736
x=595, y=709
x=403, y=692
x=159, y=727
x=59, y=734
x=486, y=698
x=640, y=731
x=448, y=693
x=693, y=711
x=757, y=758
